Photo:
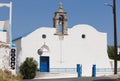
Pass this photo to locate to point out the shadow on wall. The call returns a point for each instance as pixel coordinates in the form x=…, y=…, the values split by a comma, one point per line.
x=18, y=54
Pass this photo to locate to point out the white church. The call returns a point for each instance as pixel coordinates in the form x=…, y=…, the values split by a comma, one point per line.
x=59, y=48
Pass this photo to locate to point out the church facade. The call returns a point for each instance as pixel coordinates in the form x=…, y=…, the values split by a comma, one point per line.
x=60, y=47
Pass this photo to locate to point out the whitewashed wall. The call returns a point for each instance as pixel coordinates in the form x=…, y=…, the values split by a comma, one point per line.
x=72, y=50
x=3, y=36
x=4, y=31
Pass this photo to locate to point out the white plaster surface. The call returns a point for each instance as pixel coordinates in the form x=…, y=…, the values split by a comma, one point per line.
x=72, y=50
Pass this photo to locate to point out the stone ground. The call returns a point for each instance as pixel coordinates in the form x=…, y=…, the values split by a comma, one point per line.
x=77, y=79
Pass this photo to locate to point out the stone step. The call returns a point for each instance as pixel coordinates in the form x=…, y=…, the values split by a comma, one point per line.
x=42, y=75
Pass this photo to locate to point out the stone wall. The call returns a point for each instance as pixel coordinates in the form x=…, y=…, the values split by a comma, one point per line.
x=4, y=56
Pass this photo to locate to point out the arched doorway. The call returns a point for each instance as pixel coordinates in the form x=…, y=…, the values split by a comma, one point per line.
x=44, y=59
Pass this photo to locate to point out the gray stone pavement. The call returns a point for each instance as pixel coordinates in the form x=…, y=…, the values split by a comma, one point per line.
x=77, y=79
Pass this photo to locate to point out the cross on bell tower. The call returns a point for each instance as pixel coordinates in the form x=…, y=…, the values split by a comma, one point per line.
x=60, y=4
x=60, y=21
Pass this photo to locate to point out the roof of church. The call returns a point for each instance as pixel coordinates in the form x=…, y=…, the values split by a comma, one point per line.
x=76, y=27
x=17, y=38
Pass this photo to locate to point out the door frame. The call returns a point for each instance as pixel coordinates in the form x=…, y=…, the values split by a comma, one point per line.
x=44, y=63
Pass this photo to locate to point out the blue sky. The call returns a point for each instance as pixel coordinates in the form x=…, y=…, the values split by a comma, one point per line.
x=28, y=15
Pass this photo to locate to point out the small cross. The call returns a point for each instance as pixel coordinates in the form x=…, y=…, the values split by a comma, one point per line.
x=60, y=4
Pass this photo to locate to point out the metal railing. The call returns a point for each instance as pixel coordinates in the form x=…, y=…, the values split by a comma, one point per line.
x=75, y=70
x=105, y=70
x=62, y=69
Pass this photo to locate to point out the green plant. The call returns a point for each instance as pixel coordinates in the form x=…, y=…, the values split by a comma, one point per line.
x=110, y=51
x=28, y=68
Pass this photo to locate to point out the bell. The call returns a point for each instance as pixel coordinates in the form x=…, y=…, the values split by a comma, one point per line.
x=40, y=52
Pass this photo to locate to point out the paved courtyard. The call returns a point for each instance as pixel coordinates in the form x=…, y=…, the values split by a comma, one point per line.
x=77, y=79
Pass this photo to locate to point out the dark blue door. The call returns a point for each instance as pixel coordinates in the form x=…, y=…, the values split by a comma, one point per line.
x=44, y=63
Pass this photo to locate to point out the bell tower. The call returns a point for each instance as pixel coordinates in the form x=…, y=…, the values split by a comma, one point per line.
x=60, y=21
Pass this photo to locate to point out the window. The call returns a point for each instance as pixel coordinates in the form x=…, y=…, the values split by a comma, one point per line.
x=44, y=61
x=43, y=36
x=60, y=28
x=83, y=36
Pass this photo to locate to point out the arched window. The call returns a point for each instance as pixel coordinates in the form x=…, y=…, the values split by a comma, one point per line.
x=60, y=28
x=83, y=36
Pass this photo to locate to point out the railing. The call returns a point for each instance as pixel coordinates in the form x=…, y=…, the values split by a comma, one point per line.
x=106, y=70
x=62, y=69
x=75, y=70
x=99, y=71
